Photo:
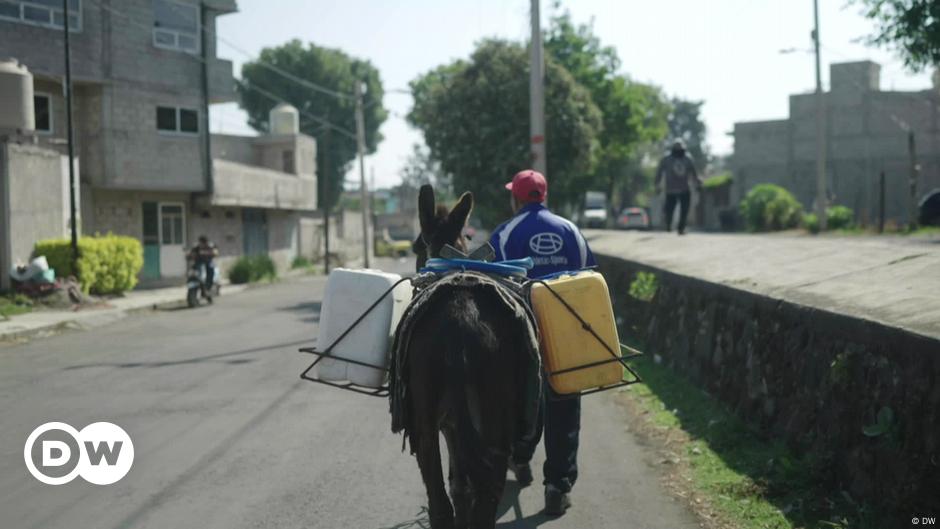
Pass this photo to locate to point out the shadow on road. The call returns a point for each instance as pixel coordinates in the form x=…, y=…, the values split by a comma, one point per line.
x=216, y=358
x=420, y=521
x=313, y=307
x=510, y=502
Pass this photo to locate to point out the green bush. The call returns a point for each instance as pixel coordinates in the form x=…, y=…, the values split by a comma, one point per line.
x=714, y=182
x=811, y=222
x=252, y=268
x=107, y=264
x=837, y=218
x=768, y=207
x=301, y=262
x=840, y=218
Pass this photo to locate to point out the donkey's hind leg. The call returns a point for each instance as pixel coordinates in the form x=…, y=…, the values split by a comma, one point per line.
x=487, y=481
x=440, y=512
x=459, y=482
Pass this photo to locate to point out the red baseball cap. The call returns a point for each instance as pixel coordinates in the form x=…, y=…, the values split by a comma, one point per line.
x=528, y=186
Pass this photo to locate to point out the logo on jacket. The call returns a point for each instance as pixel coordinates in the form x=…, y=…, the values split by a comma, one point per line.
x=546, y=243
x=678, y=167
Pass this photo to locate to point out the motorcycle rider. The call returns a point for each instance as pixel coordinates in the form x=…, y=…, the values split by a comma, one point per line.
x=678, y=169
x=202, y=255
x=555, y=245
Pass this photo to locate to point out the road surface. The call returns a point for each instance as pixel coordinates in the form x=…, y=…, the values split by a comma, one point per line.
x=227, y=436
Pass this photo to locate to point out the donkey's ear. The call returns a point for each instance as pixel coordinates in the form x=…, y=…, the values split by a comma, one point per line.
x=458, y=216
x=426, y=208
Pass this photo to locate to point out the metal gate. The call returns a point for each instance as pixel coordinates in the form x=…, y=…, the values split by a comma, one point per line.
x=255, y=231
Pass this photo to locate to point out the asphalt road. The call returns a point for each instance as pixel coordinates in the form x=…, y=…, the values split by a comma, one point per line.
x=226, y=435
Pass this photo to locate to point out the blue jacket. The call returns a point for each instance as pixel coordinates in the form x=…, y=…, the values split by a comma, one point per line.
x=554, y=243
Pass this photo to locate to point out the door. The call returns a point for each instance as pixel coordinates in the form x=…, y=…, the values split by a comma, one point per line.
x=151, y=241
x=255, y=231
x=172, y=241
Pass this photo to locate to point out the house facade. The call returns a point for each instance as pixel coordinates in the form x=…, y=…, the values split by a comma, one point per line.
x=145, y=73
x=867, y=132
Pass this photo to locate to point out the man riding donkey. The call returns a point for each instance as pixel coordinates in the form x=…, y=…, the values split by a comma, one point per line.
x=555, y=245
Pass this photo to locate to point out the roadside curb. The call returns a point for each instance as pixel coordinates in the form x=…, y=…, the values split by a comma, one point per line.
x=90, y=319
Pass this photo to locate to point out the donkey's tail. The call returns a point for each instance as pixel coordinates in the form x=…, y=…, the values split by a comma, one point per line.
x=465, y=359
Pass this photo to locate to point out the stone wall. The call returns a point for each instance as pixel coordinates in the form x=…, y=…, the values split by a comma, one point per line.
x=813, y=378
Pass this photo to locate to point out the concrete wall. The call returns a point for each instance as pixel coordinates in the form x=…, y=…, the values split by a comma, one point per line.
x=866, y=134
x=247, y=186
x=33, y=201
x=810, y=377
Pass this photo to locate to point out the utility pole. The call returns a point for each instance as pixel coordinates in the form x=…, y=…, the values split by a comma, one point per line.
x=325, y=198
x=364, y=192
x=881, y=202
x=915, y=170
x=537, y=92
x=820, y=130
x=73, y=209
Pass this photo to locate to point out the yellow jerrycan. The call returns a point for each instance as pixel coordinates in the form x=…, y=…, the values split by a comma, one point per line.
x=566, y=343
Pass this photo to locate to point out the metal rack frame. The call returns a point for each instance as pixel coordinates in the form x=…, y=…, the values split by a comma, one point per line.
x=622, y=359
x=381, y=391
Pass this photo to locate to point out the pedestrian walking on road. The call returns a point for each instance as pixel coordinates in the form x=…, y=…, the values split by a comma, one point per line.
x=678, y=170
x=555, y=245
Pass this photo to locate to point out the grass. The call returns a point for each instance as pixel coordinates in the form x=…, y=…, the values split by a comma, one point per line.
x=741, y=479
x=13, y=304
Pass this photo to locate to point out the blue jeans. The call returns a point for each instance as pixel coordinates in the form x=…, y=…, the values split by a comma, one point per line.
x=559, y=420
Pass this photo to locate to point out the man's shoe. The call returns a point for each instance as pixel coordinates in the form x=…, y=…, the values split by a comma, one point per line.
x=556, y=501
x=523, y=473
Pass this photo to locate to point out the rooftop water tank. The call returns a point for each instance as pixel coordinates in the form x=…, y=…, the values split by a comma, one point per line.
x=284, y=119
x=16, y=96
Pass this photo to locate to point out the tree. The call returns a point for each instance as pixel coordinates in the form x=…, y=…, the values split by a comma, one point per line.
x=475, y=118
x=912, y=27
x=685, y=123
x=634, y=114
x=334, y=70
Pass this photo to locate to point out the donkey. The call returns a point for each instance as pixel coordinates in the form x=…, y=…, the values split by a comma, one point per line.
x=464, y=372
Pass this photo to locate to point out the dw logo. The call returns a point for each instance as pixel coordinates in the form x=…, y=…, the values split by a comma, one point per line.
x=546, y=243
x=101, y=453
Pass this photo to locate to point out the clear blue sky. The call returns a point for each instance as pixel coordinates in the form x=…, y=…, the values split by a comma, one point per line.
x=725, y=52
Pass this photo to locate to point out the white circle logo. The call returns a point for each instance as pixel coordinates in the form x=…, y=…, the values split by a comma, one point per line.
x=101, y=453
x=546, y=243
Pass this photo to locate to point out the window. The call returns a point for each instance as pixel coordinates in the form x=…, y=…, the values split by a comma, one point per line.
x=189, y=121
x=175, y=25
x=174, y=119
x=46, y=13
x=287, y=161
x=171, y=224
x=42, y=105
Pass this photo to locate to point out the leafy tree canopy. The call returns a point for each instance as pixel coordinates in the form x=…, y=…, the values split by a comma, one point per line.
x=332, y=69
x=475, y=118
x=633, y=113
x=912, y=27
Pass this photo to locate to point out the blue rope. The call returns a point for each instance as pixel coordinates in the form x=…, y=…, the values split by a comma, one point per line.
x=516, y=267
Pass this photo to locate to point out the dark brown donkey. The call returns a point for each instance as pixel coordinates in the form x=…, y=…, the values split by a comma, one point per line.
x=463, y=379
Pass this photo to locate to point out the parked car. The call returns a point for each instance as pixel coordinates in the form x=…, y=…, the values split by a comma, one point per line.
x=930, y=209
x=633, y=219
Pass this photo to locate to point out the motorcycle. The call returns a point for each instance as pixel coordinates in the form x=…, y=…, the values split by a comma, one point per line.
x=196, y=286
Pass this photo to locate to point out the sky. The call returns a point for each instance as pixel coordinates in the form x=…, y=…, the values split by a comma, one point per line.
x=724, y=52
